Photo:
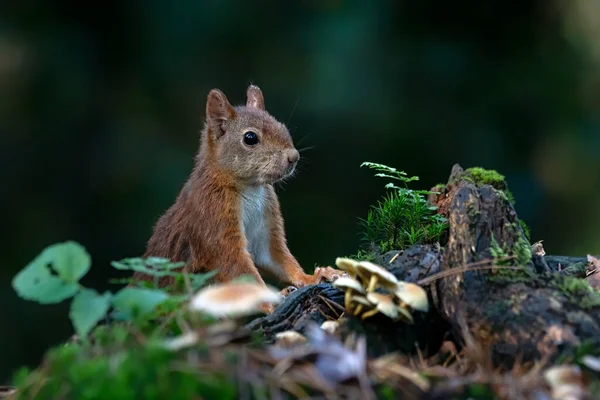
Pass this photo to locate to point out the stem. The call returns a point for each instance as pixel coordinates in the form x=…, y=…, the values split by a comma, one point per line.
x=347, y=298
x=370, y=313
x=358, y=309
x=372, y=283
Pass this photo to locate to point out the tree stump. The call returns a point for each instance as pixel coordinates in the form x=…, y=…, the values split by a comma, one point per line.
x=538, y=311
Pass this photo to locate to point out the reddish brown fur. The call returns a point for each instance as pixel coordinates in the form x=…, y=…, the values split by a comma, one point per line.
x=203, y=226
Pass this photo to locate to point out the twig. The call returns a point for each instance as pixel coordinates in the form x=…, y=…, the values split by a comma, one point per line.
x=459, y=270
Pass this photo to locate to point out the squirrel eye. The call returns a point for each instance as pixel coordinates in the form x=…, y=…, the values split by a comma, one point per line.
x=250, y=138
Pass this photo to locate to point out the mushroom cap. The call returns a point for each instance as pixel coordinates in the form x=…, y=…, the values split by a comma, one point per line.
x=366, y=269
x=413, y=295
x=385, y=304
x=405, y=313
x=233, y=299
x=345, y=282
x=289, y=338
x=563, y=375
x=330, y=326
x=361, y=300
x=347, y=264
x=182, y=341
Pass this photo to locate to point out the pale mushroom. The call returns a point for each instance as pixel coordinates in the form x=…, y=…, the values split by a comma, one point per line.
x=405, y=313
x=362, y=301
x=233, y=299
x=413, y=295
x=566, y=381
x=384, y=304
x=330, y=326
x=182, y=341
x=348, y=265
x=289, y=338
x=374, y=274
x=348, y=285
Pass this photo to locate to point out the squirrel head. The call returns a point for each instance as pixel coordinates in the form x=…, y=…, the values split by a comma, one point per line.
x=246, y=141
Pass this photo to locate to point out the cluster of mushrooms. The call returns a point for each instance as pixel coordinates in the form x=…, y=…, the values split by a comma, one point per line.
x=370, y=289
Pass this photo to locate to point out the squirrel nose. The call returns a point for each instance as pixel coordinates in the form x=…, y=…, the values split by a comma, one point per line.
x=293, y=156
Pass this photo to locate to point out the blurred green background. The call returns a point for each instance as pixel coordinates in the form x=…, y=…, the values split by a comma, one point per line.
x=102, y=103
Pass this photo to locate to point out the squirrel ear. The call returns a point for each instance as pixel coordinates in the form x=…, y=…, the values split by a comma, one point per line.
x=218, y=110
x=255, y=98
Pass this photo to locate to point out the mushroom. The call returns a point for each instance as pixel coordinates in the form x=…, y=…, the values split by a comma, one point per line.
x=566, y=381
x=348, y=265
x=289, y=338
x=233, y=299
x=349, y=285
x=405, y=313
x=182, y=341
x=413, y=295
x=384, y=304
x=362, y=301
x=374, y=274
x=330, y=326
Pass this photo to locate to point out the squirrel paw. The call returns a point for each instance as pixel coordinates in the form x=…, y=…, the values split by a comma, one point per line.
x=323, y=274
x=267, y=308
x=288, y=290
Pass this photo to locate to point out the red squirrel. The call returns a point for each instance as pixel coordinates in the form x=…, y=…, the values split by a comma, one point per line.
x=227, y=216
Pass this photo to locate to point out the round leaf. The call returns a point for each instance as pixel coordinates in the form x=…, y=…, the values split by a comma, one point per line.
x=70, y=260
x=35, y=282
x=87, y=308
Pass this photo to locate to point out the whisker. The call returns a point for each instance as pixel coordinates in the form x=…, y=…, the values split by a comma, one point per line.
x=304, y=138
x=292, y=113
x=306, y=148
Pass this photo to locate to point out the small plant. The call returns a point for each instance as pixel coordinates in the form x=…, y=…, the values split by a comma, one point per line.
x=404, y=217
x=53, y=276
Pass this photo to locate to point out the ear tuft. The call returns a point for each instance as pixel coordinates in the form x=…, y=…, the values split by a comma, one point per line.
x=255, y=98
x=218, y=110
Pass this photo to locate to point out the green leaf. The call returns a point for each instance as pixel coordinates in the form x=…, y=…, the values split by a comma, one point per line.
x=87, y=308
x=128, y=264
x=199, y=280
x=160, y=266
x=49, y=291
x=134, y=301
x=36, y=282
x=70, y=260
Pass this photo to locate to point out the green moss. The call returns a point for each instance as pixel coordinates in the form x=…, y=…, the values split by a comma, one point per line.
x=579, y=291
x=481, y=176
x=522, y=251
x=439, y=186
x=121, y=372
x=507, y=276
x=486, y=176
x=525, y=228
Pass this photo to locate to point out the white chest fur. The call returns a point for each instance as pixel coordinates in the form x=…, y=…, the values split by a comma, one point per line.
x=255, y=226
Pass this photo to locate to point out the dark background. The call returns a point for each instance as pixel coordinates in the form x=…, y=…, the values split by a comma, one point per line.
x=102, y=103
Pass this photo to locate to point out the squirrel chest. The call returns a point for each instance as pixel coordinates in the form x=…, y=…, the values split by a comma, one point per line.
x=255, y=225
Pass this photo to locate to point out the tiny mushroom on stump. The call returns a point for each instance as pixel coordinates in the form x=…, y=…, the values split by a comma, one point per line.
x=375, y=274
x=349, y=285
x=348, y=265
x=362, y=301
x=330, y=326
x=413, y=295
x=384, y=304
x=289, y=338
x=233, y=299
